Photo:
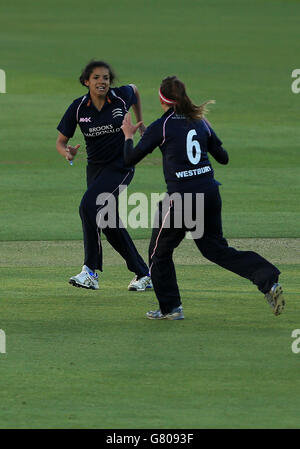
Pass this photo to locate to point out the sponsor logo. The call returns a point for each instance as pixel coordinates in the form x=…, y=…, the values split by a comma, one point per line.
x=85, y=119
x=117, y=112
x=101, y=130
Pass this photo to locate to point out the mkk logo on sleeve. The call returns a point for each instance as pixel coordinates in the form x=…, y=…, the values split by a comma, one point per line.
x=85, y=119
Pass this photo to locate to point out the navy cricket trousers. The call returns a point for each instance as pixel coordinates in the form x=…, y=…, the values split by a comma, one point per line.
x=102, y=180
x=212, y=245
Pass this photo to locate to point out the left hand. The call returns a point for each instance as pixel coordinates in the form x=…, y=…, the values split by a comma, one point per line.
x=71, y=152
x=128, y=128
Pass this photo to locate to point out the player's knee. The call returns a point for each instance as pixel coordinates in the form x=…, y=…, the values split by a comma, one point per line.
x=213, y=248
x=161, y=257
x=150, y=250
x=84, y=205
x=209, y=250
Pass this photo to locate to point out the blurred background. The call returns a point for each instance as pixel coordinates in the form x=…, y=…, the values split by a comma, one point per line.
x=239, y=53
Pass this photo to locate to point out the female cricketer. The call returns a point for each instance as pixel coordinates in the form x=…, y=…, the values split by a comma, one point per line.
x=185, y=139
x=99, y=115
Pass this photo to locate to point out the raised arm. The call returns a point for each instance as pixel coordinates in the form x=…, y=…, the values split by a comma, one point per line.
x=137, y=109
x=149, y=141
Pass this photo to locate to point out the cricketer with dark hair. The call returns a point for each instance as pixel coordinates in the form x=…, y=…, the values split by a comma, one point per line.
x=99, y=114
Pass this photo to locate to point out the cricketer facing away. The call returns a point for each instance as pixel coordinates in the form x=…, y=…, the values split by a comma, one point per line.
x=99, y=115
x=185, y=138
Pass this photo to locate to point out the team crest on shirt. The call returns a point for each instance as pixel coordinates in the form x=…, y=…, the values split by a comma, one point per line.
x=117, y=112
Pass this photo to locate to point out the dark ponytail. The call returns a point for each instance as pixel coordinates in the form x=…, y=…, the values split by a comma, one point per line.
x=174, y=89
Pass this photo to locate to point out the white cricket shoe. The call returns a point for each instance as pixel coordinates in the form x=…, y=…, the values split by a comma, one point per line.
x=275, y=299
x=175, y=314
x=140, y=285
x=86, y=279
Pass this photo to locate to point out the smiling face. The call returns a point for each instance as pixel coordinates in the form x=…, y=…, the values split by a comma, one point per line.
x=99, y=82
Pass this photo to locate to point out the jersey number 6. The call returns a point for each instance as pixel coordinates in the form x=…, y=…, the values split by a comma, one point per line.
x=193, y=148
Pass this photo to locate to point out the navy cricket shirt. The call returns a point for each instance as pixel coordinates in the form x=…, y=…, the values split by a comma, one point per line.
x=101, y=129
x=185, y=146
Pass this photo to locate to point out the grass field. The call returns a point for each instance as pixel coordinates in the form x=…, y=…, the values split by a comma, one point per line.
x=82, y=359
x=92, y=360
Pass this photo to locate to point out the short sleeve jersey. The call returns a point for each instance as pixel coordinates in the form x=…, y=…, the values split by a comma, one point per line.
x=101, y=129
x=185, y=146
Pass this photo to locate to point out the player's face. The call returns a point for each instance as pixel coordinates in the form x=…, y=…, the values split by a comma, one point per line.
x=99, y=82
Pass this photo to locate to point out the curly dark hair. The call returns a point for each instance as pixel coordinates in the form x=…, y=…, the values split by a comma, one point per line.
x=86, y=72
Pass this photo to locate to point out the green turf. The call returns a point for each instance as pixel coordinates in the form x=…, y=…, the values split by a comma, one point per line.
x=80, y=359
x=239, y=53
x=84, y=359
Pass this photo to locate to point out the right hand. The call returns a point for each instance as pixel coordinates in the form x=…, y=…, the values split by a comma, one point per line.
x=71, y=152
x=128, y=128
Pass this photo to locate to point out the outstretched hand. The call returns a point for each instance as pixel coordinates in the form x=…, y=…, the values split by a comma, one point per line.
x=128, y=128
x=71, y=152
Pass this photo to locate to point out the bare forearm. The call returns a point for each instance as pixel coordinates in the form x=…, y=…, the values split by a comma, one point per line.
x=137, y=108
x=61, y=148
x=67, y=151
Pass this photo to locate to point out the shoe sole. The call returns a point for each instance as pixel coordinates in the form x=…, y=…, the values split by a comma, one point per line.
x=76, y=284
x=133, y=289
x=174, y=317
x=276, y=301
x=156, y=318
x=167, y=317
